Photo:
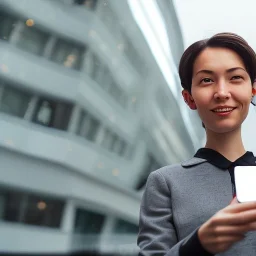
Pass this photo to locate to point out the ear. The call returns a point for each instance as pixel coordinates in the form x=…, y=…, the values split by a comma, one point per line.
x=254, y=89
x=254, y=94
x=189, y=99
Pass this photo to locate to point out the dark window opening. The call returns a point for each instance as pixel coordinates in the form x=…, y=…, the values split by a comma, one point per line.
x=21, y=207
x=32, y=40
x=43, y=211
x=122, y=148
x=53, y=114
x=88, y=222
x=90, y=4
x=88, y=126
x=114, y=143
x=102, y=75
x=14, y=101
x=7, y=24
x=11, y=205
x=116, y=92
x=68, y=54
x=124, y=227
x=108, y=139
x=150, y=166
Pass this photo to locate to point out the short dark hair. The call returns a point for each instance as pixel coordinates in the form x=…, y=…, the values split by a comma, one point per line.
x=226, y=40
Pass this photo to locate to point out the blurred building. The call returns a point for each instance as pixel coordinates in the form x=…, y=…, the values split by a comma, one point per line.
x=85, y=116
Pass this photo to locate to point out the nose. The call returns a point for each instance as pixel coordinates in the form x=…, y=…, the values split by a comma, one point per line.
x=222, y=92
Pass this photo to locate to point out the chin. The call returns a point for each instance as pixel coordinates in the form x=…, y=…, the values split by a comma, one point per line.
x=224, y=128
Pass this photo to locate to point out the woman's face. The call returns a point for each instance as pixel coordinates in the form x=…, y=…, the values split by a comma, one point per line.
x=221, y=89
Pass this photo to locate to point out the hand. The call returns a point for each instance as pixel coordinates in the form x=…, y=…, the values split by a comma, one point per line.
x=228, y=226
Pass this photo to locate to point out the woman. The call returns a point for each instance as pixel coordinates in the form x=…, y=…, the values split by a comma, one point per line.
x=186, y=208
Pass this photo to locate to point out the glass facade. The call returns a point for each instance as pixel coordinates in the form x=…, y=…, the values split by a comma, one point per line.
x=88, y=126
x=7, y=25
x=68, y=54
x=51, y=113
x=14, y=102
x=85, y=115
x=32, y=40
x=26, y=208
x=88, y=222
x=124, y=227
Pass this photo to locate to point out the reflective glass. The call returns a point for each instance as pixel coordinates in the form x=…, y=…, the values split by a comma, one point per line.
x=87, y=112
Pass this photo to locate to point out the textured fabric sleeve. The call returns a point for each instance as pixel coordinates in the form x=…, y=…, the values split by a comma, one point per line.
x=192, y=246
x=157, y=235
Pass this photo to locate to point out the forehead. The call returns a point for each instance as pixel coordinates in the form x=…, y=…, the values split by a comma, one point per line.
x=217, y=59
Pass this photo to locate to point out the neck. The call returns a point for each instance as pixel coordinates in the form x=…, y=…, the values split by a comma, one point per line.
x=228, y=144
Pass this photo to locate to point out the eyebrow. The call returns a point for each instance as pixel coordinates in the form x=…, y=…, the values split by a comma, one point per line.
x=227, y=71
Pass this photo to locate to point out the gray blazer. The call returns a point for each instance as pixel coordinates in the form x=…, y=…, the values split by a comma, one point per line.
x=180, y=198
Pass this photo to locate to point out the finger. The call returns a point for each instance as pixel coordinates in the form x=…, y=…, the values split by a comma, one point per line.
x=231, y=239
x=235, y=218
x=224, y=243
x=234, y=230
x=244, y=217
x=239, y=207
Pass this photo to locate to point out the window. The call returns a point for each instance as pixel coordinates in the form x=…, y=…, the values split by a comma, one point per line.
x=32, y=40
x=68, y=54
x=88, y=222
x=122, y=148
x=108, y=140
x=53, y=114
x=150, y=165
x=124, y=227
x=42, y=211
x=14, y=102
x=102, y=75
x=90, y=4
x=116, y=92
x=114, y=143
x=16, y=206
x=7, y=24
x=88, y=126
x=11, y=204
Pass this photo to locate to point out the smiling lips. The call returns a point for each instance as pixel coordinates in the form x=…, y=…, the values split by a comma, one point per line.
x=223, y=110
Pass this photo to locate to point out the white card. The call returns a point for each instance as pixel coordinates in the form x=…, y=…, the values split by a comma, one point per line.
x=245, y=179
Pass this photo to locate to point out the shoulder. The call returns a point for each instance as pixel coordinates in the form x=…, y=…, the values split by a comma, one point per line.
x=184, y=167
x=177, y=172
x=165, y=180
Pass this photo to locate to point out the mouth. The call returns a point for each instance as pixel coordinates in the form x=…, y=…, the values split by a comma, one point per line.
x=223, y=111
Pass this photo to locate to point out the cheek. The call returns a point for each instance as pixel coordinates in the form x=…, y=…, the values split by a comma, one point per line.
x=202, y=97
x=202, y=103
x=244, y=97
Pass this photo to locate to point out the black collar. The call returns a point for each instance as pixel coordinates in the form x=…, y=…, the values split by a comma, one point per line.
x=218, y=160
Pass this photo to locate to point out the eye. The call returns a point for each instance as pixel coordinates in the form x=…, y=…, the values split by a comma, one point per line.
x=206, y=80
x=236, y=78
